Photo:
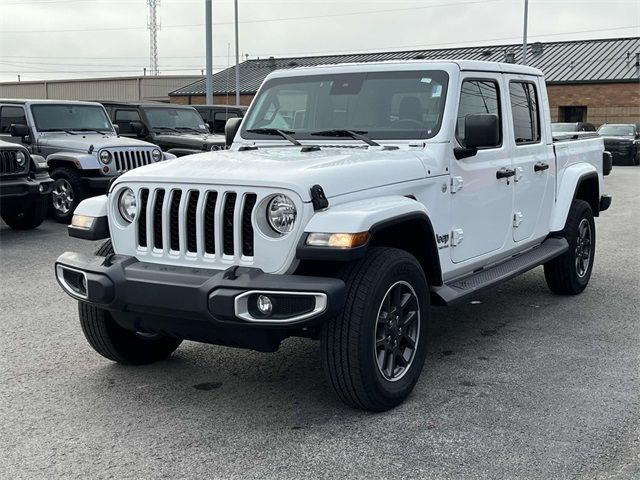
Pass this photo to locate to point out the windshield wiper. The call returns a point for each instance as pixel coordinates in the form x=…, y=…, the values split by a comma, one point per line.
x=58, y=130
x=166, y=128
x=355, y=134
x=190, y=129
x=286, y=134
x=101, y=132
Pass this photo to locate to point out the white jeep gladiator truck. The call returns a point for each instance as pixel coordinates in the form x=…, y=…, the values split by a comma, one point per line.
x=353, y=198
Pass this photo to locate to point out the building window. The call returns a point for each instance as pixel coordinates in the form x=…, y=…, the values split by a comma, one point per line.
x=572, y=114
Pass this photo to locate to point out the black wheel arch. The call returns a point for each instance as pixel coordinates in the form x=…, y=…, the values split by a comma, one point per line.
x=412, y=232
x=588, y=189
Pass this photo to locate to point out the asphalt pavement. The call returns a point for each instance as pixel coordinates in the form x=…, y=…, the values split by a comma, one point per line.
x=519, y=383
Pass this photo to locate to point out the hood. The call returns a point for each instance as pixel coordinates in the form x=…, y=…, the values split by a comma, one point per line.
x=617, y=139
x=337, y=170
x=82, y=141
x=190, y=140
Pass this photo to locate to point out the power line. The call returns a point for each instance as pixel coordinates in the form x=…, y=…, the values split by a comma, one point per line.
x=265, y=20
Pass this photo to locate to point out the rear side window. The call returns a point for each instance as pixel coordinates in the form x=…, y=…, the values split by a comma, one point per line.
x=9, y=116
x=123, y=119
x=477, y=97
x=525, y=112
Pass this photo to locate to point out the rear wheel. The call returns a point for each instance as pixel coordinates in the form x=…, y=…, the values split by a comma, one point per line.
x=569, y=273
x=117, y=343
x=66, y=194
x=29, y=218
x=373, y=353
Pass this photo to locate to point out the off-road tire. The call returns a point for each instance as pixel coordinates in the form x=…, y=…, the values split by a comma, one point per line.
x=561, y=273
x=29, y=218
x=72, y=176
x=348, y=341
x=117, y=343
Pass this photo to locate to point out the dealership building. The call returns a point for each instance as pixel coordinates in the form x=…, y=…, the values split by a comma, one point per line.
x=595, y=81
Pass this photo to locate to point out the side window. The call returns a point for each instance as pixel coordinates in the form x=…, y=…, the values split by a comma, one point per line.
x=220, y=120
x=123, y=119
x=9, y=116
x=524, y=109
x=204, y=113
x=477, y=97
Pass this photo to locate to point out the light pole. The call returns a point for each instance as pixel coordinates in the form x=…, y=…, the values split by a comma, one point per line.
x=237, y=56
x=209, y=50
x=524, y=33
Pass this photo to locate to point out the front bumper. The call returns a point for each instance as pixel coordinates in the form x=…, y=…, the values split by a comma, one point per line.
x=196, y=303
x=22, y=187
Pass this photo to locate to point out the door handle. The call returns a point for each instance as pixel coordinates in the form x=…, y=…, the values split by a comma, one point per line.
x=505, y=173
x=539, y=167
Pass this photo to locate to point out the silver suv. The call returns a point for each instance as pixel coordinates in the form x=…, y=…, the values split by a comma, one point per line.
x=80, y=144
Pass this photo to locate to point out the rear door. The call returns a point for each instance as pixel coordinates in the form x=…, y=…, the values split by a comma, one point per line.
x=533, y=158
x=481, y=203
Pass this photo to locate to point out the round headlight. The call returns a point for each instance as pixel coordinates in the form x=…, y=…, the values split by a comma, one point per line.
x=281, y=213
x=156, y=154
x=21, y=158
x=127, y=205
x=105, y=156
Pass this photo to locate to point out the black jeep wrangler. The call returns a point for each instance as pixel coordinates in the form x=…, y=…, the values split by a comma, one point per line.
x=24, y=187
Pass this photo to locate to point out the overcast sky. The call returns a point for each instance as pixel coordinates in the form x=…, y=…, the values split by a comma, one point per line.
x=47, y=39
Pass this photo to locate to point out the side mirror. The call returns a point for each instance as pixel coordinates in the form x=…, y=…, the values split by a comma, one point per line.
x=116, y=127
x=18, y=130
x=230, y=129
x=138, y=128
x=481, y=131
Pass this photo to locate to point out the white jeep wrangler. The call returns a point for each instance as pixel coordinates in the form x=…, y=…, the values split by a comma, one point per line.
x=353, y=198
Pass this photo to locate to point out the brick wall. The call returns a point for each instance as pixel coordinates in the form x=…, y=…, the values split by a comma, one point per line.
x=606, y=103
x=217, y=99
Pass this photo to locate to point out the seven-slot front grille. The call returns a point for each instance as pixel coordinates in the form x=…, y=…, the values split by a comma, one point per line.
x=129, y=159
x=192, y=222
x=9, y=162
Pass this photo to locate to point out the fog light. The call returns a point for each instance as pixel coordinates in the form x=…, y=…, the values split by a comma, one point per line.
x=265, y=305
x=41, y=188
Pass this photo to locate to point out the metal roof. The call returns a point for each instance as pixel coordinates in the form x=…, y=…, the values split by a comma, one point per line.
x=580, y=61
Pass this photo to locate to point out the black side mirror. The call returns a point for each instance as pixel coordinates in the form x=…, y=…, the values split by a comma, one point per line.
x=18, y=130
x=230, y=129
x=138, y=128
x=481, y=131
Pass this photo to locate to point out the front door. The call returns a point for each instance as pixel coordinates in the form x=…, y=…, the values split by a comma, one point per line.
x=533, y=159
x=481, y=203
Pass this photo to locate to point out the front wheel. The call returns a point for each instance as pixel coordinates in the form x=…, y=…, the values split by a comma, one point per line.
x=66, y=193
x=569, y=273
x=373, y=353
x=28, y=218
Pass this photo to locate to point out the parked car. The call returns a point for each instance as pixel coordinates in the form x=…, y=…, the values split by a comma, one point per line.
x=82, y=149
x=24, y=186
x=216, y=116
x=405, y=185
x=573, y=127
x=622, y=140
x=176, y=129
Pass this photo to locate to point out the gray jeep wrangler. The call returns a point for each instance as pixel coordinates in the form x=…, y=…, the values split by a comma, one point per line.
x=80, y=144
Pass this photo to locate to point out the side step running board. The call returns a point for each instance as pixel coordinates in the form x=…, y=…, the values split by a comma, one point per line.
x=462, y=289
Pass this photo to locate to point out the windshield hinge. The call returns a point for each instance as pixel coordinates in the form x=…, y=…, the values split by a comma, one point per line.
x=318, y=198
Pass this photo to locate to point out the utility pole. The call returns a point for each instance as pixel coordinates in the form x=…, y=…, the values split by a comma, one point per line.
x=237, y=57
x=524, y=33
x=209, y=50
x=153, y=26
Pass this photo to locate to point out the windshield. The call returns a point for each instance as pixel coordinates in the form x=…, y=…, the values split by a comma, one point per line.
x=623, y=130
x=63, y=117
x=176, y=119
x=384, y=105
x=564, y=127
